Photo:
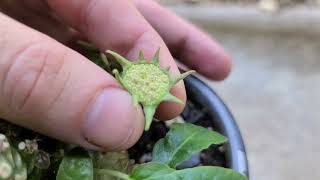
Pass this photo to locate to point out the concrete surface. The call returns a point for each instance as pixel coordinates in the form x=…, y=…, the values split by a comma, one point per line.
x=298, y=19
x=273, y=93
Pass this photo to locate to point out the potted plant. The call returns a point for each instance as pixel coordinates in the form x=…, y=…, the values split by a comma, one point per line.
x=179, y=150
x=203, y=108
x=213, y=112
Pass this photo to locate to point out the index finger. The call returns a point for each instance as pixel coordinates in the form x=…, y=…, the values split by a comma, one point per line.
x=188, y=44
x=118, y=25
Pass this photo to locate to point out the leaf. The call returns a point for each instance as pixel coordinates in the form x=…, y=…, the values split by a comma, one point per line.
x=182, y=141
x=152, y=169
x=118, y=161
x=36, y=174
x=77, y=164
x=159, y=171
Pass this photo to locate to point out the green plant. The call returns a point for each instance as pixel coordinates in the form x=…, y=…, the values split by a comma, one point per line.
x=182, y=141
x=25, y=154
x=11, y=164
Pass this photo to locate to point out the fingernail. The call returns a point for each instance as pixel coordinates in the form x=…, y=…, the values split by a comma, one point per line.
x=110, y=120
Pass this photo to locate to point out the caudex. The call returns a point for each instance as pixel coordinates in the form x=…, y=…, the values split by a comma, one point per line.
x=148, y=83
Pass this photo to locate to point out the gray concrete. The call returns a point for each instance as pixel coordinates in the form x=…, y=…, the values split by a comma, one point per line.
x=274, y=94
x=300, y=19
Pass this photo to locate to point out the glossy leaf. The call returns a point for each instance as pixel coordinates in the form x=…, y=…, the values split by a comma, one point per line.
x=182, y=141
x=117, y=161
x=152, y=169
x=159, y=171
x=76, y=165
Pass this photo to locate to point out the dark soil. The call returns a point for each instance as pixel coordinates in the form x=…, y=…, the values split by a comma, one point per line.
x=141, y=152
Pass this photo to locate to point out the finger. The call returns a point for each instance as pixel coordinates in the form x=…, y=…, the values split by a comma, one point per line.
x=117, y=25
x=37, y=15
x=187, y=43
x=51, y=89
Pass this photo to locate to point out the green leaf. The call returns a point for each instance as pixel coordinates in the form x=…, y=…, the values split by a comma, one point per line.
x=117, y=161
x=182, y=141
x=149, y=170
x=36, y=174
x=76, y=165
x=159, y=171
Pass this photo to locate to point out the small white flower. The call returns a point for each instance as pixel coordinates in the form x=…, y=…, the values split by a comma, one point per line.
x=22, y=145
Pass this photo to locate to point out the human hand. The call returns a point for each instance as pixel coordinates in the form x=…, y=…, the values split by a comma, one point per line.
x=52, y=89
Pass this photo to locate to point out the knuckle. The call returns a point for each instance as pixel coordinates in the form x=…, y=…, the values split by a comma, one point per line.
x=30, y=71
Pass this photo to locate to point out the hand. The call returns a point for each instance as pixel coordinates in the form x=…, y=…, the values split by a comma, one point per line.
x=50, y=88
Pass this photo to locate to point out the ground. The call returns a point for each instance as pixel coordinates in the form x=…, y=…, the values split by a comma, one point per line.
x=291, y=2
x=273, y=93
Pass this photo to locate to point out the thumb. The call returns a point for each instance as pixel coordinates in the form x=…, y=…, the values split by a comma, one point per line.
x=51, y=89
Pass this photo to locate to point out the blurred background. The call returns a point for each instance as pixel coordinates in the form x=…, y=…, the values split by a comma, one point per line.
x=273, y=90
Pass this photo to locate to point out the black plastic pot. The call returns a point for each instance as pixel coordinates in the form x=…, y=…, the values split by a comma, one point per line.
x=202, y=95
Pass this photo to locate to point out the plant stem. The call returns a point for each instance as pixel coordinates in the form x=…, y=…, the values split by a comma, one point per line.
x=113, y=173
x=88, y=46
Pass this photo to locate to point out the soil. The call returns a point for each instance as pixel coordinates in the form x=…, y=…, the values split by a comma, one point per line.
x=141, y=152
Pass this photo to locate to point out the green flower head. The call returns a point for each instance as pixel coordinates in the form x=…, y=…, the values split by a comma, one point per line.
x=147, y=82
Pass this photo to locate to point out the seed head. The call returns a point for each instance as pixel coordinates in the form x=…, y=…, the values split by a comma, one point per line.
x=148, y=83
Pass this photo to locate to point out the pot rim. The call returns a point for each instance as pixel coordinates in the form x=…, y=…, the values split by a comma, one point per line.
x=223, y=120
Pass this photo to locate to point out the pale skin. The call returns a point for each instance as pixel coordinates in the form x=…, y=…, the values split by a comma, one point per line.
x=47, y=86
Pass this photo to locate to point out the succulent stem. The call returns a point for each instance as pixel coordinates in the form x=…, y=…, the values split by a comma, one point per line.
x=5, y=168
x=11, y=163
